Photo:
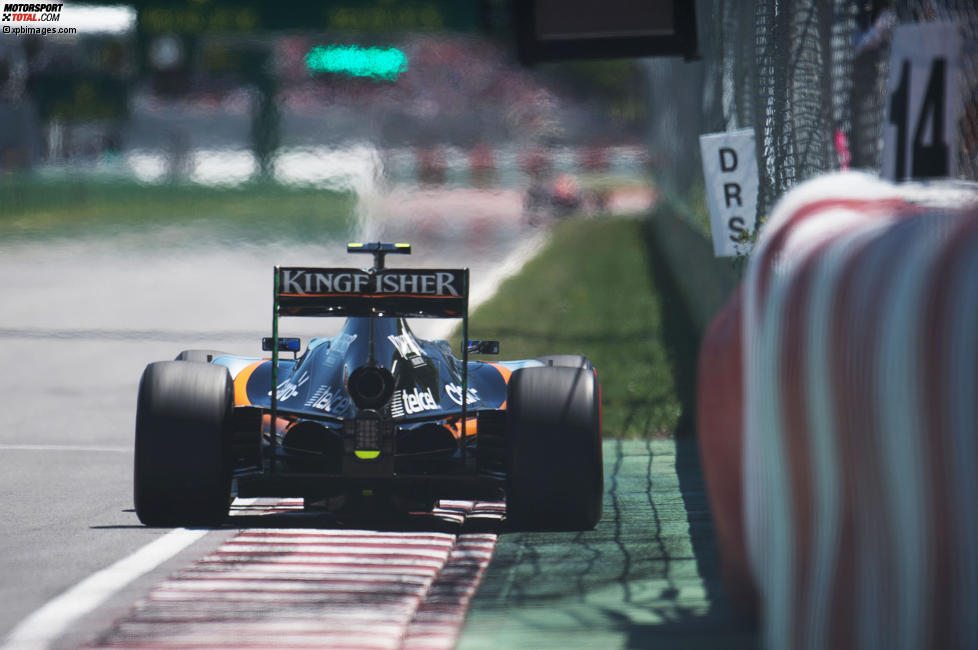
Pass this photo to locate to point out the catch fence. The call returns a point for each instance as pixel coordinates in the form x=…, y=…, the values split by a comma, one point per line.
x=809, y=76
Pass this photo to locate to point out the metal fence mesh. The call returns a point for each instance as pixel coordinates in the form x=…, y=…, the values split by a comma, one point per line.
x=809, y=76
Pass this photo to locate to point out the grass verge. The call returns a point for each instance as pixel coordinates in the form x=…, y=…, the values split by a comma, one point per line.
x=32, y=207
x=590, y=292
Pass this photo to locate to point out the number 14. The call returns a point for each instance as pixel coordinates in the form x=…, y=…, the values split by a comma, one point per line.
x=930, y=160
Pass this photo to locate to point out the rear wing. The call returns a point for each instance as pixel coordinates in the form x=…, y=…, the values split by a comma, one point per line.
x=378, y=291
x=409, y=293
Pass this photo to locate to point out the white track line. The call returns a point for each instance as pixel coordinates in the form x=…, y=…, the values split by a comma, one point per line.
x=46, y=624
x=41, y=628
x=514, y=262
x=489, y=282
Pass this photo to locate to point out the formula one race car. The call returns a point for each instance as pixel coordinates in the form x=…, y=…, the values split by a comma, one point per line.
x=372, y=415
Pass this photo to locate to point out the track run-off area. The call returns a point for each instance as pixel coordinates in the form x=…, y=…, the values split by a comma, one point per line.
x=81, y=319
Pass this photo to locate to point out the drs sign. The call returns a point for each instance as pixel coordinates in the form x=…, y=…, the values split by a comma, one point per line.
x=923, y=102
x=730, y=170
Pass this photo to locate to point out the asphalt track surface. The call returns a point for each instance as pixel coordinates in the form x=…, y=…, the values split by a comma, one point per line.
x=80, y=320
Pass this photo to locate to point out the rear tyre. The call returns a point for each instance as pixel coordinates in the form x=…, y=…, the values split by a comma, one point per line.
x=182, y=473
x=554, y=477
x=200, y=356
x=566, y=361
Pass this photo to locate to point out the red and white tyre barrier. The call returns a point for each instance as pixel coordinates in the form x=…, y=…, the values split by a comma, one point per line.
x=845, y=495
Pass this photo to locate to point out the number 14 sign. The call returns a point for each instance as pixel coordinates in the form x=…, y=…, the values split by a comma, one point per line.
x=921, y=130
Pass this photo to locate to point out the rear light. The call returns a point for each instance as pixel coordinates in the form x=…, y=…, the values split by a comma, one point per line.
x=369, y=435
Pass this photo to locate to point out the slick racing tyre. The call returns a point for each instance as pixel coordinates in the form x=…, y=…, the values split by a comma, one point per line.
x=200, y=356
x=566, y=361
x=554, y=476
x=182, y=471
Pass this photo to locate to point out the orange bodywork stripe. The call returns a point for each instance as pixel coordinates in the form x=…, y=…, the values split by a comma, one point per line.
x=506, y=374
x=281, y=424
x=471, y=428
x=241, y=384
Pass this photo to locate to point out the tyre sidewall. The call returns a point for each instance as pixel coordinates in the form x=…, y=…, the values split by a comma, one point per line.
x=182, y=471
x=555, y=477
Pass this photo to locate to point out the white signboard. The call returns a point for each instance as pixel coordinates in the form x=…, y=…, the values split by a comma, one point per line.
x=730, y=170
x=920, y=138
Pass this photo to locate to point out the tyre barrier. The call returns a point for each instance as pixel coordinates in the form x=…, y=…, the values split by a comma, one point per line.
x=837, y=419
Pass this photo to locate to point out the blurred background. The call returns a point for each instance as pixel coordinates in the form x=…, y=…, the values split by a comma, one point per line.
x=394, y=116
x=397, y=116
